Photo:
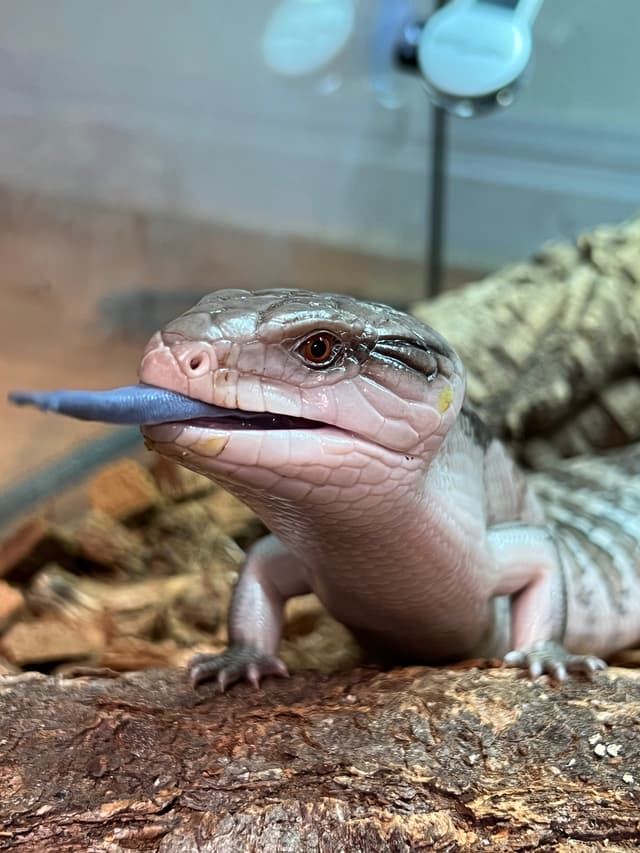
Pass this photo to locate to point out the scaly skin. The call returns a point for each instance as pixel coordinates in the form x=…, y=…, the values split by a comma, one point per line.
x=398, y=509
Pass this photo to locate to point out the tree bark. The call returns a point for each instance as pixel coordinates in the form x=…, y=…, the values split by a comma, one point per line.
x=552, y=346
x=403, y=760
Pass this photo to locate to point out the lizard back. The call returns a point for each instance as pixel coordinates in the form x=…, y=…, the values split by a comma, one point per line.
x=593, y=505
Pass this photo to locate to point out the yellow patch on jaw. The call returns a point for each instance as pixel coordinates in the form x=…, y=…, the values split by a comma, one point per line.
x=445, y=399
x=210, y=446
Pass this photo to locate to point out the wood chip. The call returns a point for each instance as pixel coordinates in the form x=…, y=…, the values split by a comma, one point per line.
x=302, y=615
x=184, y=538
x=104, y=540
x=312, y=639
x=51, y=638
x=30, y=547
x=11, y=604
x=176, y=482
x=123, y=490
x=7, y=668
x=129, y=654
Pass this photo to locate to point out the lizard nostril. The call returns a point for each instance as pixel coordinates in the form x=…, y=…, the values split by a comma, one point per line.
x=195, y=361
x=196, y=364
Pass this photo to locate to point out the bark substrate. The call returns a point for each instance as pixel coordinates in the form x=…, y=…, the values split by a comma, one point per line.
x=409, y=759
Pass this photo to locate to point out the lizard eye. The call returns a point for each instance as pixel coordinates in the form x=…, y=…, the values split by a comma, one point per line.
x=320, y=349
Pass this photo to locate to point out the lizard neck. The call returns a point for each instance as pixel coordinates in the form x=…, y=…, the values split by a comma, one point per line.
x=399, y=549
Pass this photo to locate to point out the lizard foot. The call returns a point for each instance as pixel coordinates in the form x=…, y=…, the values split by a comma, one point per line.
x=548, y=657
x=234, y=664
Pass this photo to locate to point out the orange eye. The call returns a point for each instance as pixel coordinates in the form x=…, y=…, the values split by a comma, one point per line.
x=319, y=349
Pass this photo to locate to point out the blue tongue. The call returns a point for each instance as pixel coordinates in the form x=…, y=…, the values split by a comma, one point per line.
x=132, y=404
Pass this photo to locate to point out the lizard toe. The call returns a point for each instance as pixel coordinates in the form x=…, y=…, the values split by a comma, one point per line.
x=234, y=664
x=585, y=664
x=550, y=658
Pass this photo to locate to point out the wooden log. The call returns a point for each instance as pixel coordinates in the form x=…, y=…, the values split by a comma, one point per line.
x=406, y=760
x=551, y=345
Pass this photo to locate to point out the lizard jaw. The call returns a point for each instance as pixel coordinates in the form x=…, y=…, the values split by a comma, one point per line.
x=291, y=463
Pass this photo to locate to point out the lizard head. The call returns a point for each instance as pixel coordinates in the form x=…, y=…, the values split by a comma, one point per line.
x=340, y=382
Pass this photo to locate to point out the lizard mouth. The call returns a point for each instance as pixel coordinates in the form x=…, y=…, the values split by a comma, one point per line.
x=254, y=421
x=239, y=438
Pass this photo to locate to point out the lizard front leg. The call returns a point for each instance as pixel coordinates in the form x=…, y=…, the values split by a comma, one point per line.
x=270, y=576
x=530, y=569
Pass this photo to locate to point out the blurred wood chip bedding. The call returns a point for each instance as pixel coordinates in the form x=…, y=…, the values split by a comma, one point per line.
x=142, y=578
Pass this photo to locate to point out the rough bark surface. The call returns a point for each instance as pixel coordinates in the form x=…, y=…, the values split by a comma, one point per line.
x=552, y=346
x=411, y=759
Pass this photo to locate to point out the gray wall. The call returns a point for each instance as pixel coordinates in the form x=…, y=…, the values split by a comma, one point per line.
x=164, y=105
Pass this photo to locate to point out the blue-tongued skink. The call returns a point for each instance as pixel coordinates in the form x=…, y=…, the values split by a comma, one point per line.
x=348, y=432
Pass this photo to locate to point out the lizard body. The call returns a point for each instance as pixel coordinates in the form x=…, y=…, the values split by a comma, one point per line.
x=345, y=425
x=386, y=495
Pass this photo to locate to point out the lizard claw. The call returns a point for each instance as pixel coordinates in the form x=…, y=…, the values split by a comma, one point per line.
x=551, y=658
x=234, y=664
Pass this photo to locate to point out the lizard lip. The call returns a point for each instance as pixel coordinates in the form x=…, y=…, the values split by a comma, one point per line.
x=254, y=421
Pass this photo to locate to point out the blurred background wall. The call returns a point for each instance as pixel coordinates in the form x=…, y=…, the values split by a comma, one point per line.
x=168, y=107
